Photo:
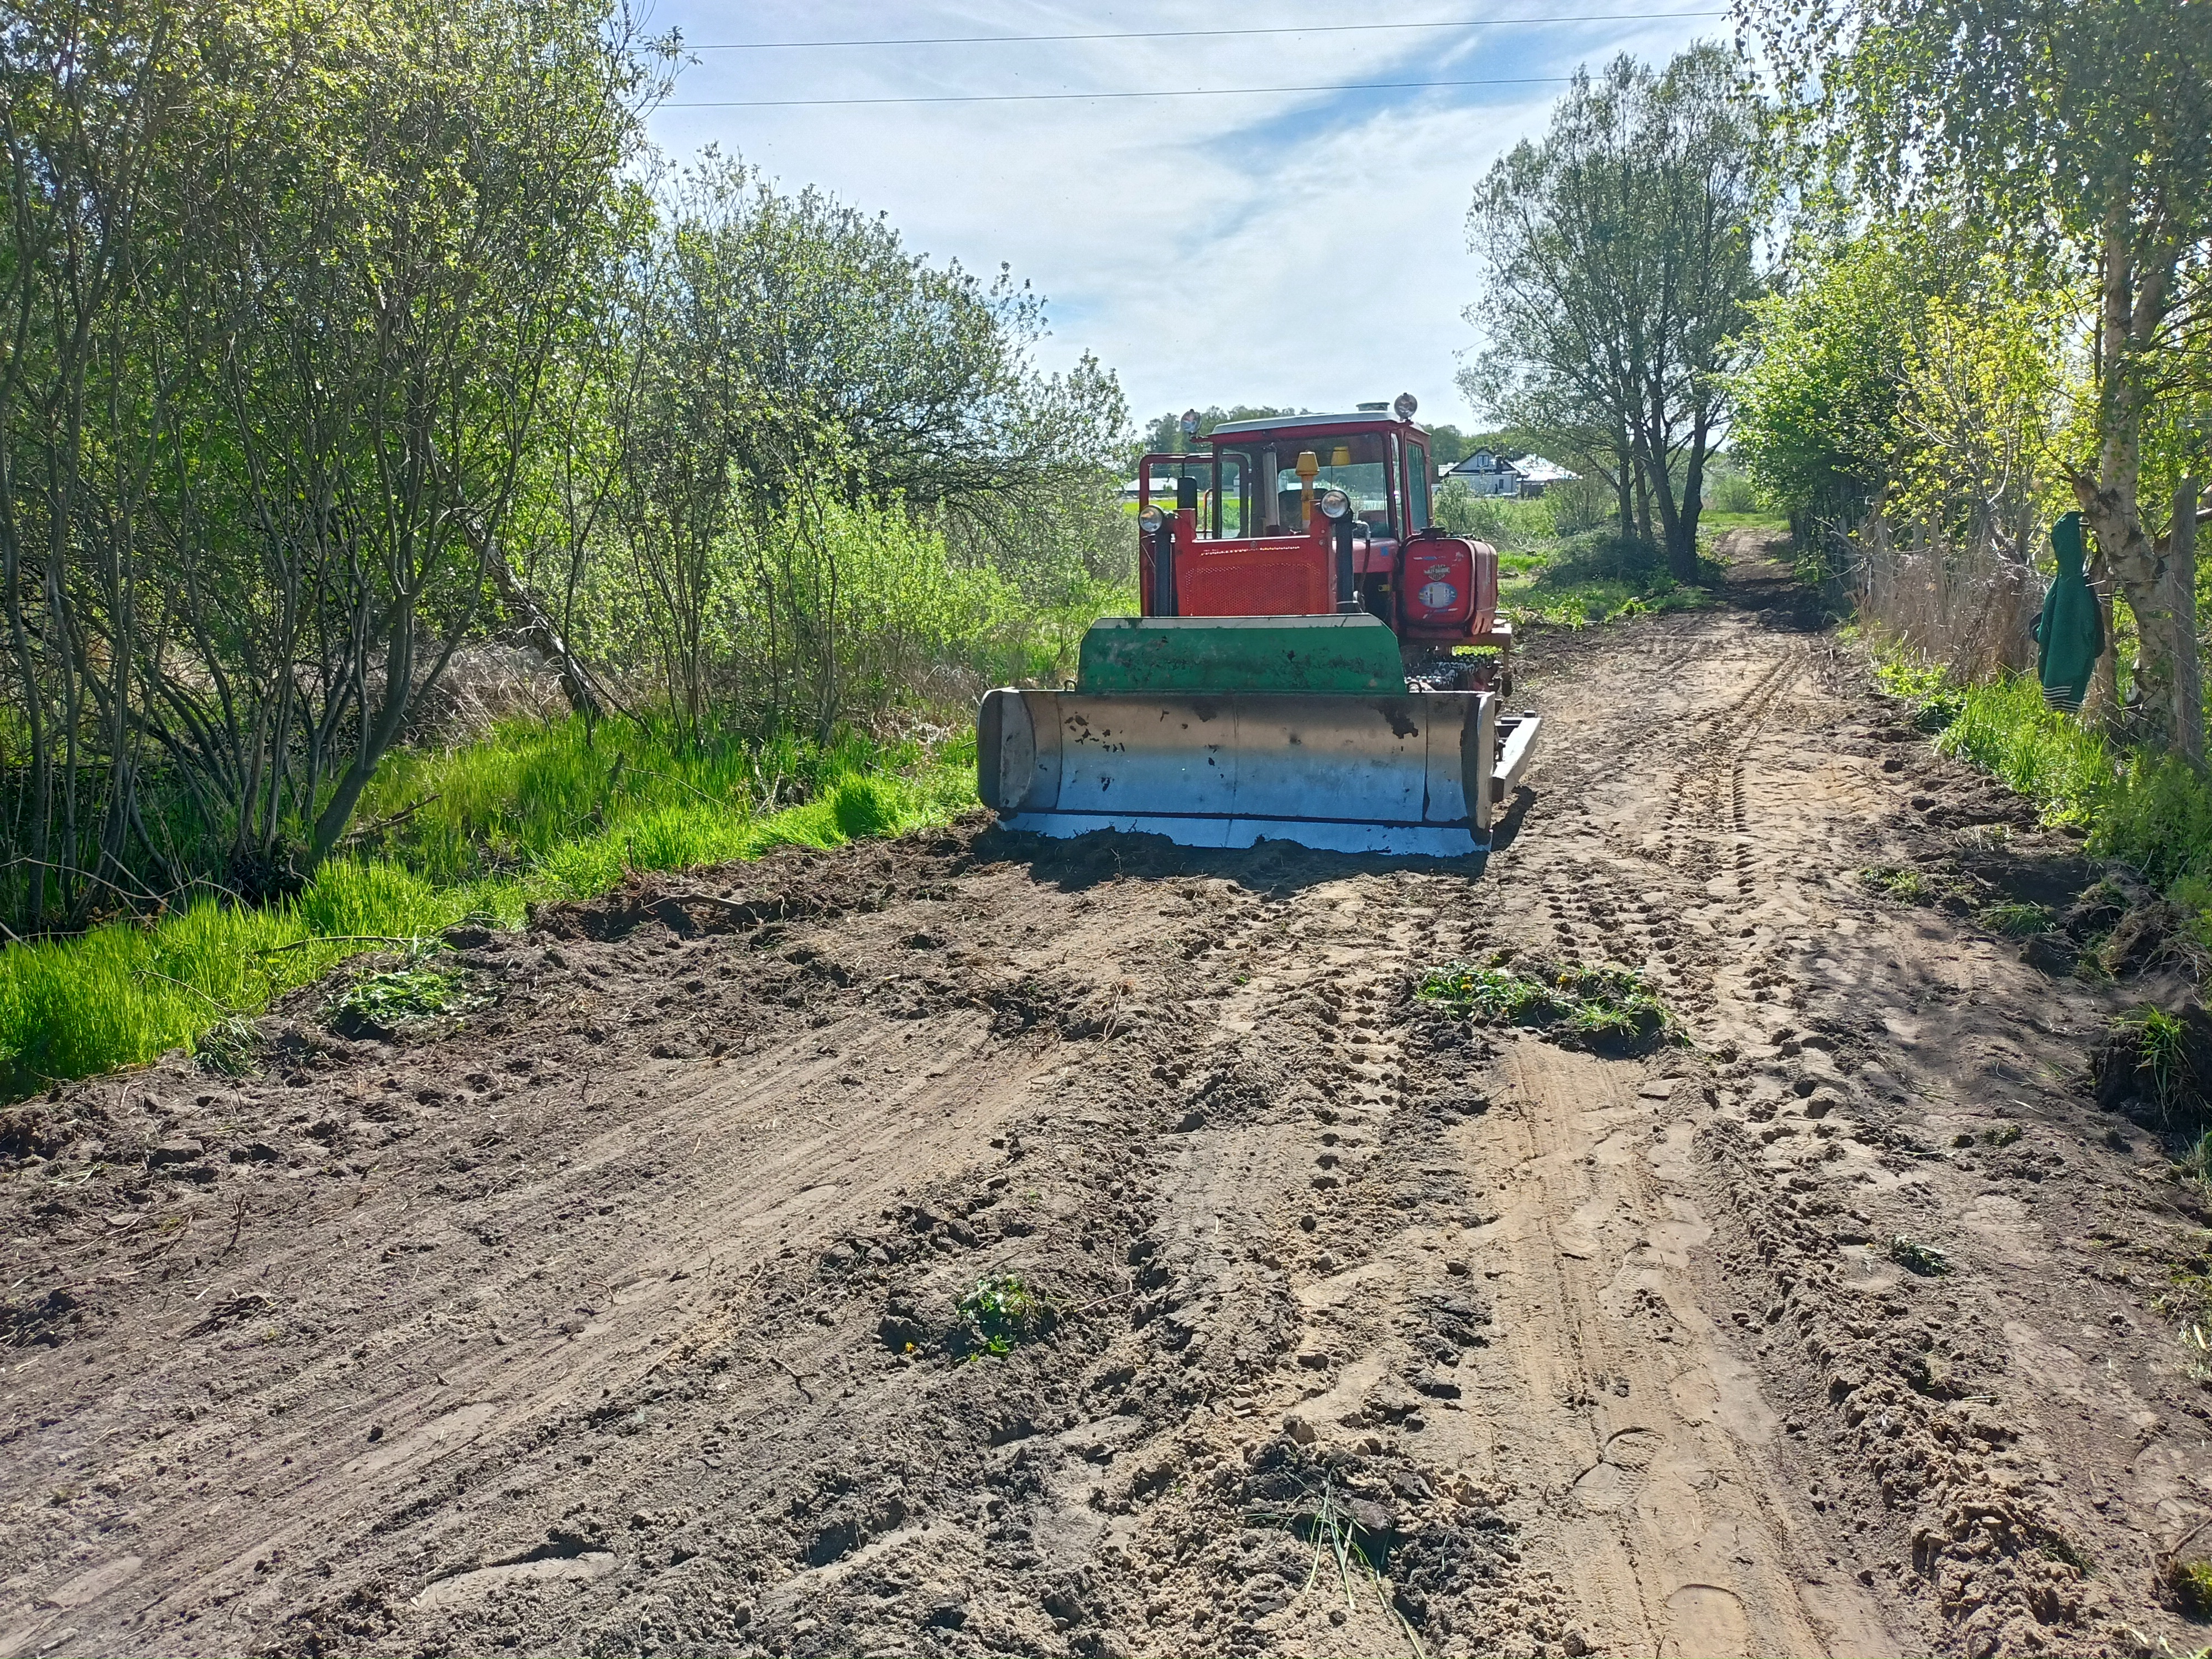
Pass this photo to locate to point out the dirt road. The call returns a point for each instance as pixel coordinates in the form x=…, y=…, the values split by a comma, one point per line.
x=625, y=1317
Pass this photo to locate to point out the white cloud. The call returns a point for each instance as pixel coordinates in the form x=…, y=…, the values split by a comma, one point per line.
x=1302, y=250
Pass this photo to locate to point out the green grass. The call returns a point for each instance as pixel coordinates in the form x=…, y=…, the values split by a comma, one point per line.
x=2153, y=812
x=1758, y=520
x=2005, y=727
x=529, y=816
x=2017, y=919
x=1936, y=698
x=1593, y=578
x=2159, y=1043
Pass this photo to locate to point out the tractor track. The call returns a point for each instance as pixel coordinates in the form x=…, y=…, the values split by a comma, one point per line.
x=628, y=1318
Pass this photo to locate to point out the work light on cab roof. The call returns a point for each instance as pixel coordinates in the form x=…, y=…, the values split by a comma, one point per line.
x=1315, y=660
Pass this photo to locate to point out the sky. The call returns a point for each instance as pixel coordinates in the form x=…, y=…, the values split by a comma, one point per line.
x=1303, y=249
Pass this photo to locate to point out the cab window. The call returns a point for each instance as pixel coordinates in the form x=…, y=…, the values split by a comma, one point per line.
x=1417, y=486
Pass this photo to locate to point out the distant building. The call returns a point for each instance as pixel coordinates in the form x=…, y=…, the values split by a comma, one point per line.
x=1505, y=473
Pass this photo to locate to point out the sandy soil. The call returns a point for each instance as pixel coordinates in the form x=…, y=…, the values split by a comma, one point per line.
x=622, y=1316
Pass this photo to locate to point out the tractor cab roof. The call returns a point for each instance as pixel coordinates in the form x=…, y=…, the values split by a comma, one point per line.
x=1359, y=421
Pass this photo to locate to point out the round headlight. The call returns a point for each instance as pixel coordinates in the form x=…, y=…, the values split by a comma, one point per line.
x=1149, y=518
x=1335, y=504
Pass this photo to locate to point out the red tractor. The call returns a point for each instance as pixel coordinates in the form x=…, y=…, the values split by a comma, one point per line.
x=1309, y=664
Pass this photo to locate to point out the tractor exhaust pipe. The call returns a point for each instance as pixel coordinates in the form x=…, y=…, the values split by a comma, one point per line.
x=1347, y=589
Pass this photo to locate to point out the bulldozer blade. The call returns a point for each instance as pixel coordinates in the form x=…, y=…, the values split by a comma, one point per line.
x=1405, y=774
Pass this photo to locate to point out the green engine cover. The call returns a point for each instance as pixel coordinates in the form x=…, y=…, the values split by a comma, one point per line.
x=1352, y=654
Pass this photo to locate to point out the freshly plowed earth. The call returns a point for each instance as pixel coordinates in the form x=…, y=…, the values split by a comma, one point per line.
x=623, y=1315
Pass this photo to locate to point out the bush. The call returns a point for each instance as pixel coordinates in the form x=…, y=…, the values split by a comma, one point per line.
x=1507, y=523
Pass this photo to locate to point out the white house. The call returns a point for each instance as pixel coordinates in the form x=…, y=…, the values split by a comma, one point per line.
x=1505, y=472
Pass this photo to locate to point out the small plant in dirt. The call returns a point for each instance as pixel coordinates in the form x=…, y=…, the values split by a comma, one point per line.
x=1351, y=1536
x=2017, y=919
x=2154, y=1064
x=1607, y=1006
x=232, y=1046
x=999, y=1314
x=1935, y=698
x=1900, y=882
x=1924, y=1260
x=2189, y=1587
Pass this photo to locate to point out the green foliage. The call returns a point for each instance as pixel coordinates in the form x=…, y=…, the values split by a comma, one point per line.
x=1001, y=1313
x=1598, y=577
x=2005, y=727
x=1900, y=882
x=1621, y=254
x=1925, y=1259
x=1504, y=522
x=2160, y=1047
x=2069, y=139
x=391, y=345
x=2189, y=1582
x=1607, y=1006
x=2156, y=815
x=1901, y=376
x=2152, y=812
x=2017, y=919
x=1730, y=492
x=1815, y=409
x=401, y=996
x=1936, y=696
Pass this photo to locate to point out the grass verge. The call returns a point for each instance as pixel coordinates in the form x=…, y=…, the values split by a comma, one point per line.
x=512, y=826
x=2152, y=812
x=1595, y=577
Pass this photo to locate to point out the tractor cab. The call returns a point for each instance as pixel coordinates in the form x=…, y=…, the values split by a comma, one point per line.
x=1316, y=515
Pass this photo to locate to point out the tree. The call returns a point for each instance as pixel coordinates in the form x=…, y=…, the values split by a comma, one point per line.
x=296, y=275
x=1816, y=410
x=1621, y=254
x=2078, y=128
x=799, y=370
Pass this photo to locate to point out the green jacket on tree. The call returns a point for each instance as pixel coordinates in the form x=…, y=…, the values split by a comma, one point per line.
x=2069, y=635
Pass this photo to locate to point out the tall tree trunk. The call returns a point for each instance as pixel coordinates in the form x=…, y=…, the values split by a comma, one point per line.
x=2180, y=602
x=1624, y=484
x=2138, y=276
x=2102, y=702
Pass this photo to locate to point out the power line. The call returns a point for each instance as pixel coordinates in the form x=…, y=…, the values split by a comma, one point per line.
x=1061, y=97
x=1192, y=35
